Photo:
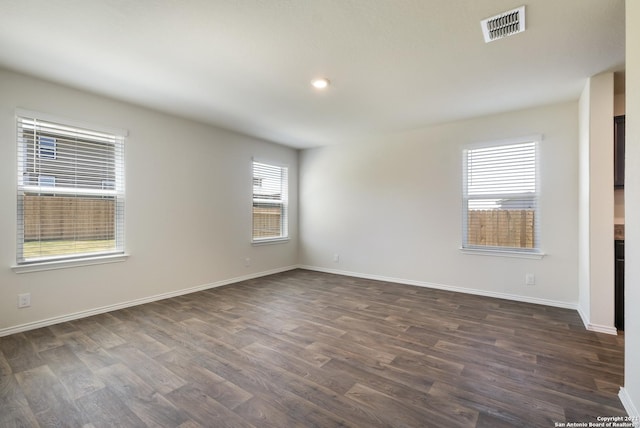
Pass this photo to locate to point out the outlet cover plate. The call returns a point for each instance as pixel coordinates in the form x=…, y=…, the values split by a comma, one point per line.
x=530, y=279
x=24, y=300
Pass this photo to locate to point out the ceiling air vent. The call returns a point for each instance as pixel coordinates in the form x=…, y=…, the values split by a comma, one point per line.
x=503, y=25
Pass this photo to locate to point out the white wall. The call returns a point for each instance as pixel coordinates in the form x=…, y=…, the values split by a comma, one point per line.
x=596, y=202
x=188, y=218
x=631, y=393
x=584, y=247
x=392, y=207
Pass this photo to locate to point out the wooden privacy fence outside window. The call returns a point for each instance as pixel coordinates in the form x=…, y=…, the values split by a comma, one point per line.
x=91, y=219
x=267, y=221
x=501, y=228
x=66, y=218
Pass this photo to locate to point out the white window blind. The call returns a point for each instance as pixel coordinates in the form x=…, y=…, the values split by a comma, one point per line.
x=500, y=197
x=270, y=202
x=65, y=210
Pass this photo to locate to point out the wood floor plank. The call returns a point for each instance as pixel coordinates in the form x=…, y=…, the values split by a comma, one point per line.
x=48, y=399
x=62, y=328
x=210, y=329
x=490, y=421
x=204, y=409
x=104, y=408
x=304, y=348
x=495, y=406
x=447, y=411
x=15, y=410
x=5, y=367
x=552, y=389
x=374, y=355
x=287, y=347
x=101, y=335
x=523, y=360
x=190, y=424
x=427, y=363
x=42, y=339
x=261, y=413
x=19, y=353
x=397, y=413
x=156, y=375
x=268, y=381
x=131, y=334
x=88, y=351
x=300, y=367
x=143, y=400
x=71, y=371
x=215, y=386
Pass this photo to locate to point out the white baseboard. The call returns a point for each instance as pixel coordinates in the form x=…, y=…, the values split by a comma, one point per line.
x=515, y=297
x=595, y=327
x=583, y=316
x=602, y=329
x=95, y=311
x=631, y=409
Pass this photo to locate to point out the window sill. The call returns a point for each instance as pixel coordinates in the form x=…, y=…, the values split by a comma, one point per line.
x=65, y=264
x=503, y=253
x=270, y=241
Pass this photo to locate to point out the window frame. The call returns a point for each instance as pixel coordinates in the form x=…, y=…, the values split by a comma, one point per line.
x=25, y=185
x=518, y=252
x=283, y=202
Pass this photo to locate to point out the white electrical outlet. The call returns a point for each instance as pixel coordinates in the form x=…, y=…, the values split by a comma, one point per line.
x=247, y=262
x=529, y=279
x=336, y=258
x=24, y=300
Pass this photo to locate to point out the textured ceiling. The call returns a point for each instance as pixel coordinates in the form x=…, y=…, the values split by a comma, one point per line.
x=246, y=65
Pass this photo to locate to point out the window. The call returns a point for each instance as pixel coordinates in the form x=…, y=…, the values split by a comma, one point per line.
x=108, y=185
x=46, y=147
x=75, y=209
x=270, y=202
x=500, y=197
x=46, y=181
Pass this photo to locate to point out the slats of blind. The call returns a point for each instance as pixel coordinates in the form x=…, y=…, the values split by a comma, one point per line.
x=70, y=191
x=500, y=197
x=503, y=169
x=270, y=201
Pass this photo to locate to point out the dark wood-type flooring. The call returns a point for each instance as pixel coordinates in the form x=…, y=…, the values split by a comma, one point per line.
x=305, y=349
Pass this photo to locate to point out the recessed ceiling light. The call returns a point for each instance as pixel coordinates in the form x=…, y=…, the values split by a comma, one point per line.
x=320, y=83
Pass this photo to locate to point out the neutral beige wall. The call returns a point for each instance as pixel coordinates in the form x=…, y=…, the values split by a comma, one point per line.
x=584, y=202
x=619, y=102
x=601, y=203
x=596, y=204
x=391, y=207
x=618, y=209
x=188, y=218
x=631, y=393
